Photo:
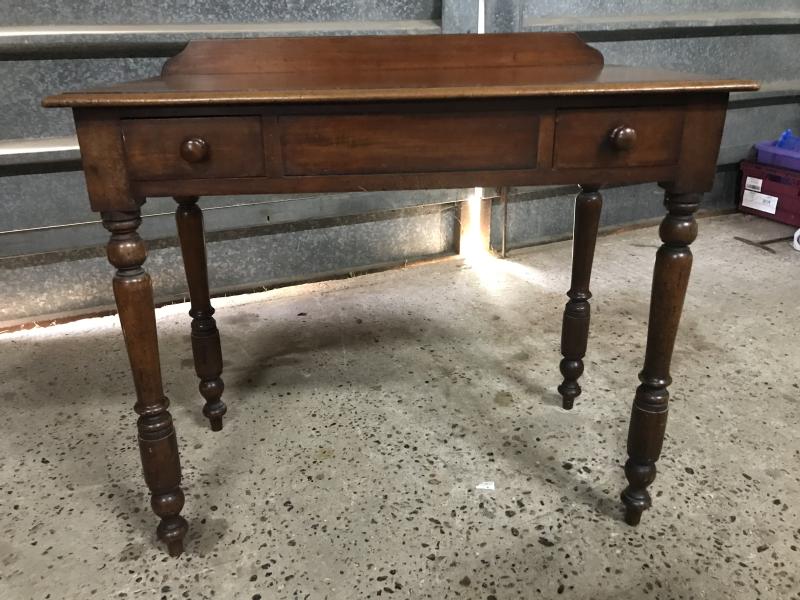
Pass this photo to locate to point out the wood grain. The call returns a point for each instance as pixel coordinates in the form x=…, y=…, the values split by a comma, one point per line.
x=158, y=445
x=366, y=68
x=651, y=403
x=584, y=137
x=577, y=312
x=388, y=113
x=153, y=147
x=399, y=143
x=400, y=181
x=380, y=53
x=103, y=161
x=206, y=347
x=702, y=135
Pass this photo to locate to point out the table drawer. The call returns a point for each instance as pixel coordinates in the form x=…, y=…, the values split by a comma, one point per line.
x=408, y=143
x=618, y=137
x=193, y=148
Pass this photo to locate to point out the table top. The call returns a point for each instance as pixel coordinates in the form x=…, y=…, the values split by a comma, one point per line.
x=385, y=68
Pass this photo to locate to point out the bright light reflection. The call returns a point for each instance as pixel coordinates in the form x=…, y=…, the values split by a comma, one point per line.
x=494, y=273
x=94, y=325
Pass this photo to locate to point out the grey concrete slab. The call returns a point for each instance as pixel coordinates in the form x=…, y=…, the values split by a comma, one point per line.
x=364, y=413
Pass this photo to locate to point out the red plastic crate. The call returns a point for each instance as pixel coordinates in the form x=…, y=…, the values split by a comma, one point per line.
x=770, y=192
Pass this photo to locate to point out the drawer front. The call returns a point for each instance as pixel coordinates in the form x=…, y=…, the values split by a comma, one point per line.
x=410, y=143
x=193, y=148
x=618, y=137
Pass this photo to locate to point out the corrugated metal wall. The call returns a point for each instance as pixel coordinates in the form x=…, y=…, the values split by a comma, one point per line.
x=51, y=245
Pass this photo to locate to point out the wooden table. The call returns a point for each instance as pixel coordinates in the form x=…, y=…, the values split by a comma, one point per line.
x=335, y=114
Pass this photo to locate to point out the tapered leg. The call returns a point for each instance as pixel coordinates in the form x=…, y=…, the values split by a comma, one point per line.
x=575, y=327
x=206, y=347
x=157, y=442
x=651, y=403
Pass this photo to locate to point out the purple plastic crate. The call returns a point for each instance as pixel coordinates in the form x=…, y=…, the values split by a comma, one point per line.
x=770, y=154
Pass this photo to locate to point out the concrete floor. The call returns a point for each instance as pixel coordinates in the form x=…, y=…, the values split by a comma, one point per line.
x=363, y=413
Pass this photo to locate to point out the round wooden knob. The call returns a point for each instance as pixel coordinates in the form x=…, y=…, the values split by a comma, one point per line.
x=623, y=137
x=195, y=150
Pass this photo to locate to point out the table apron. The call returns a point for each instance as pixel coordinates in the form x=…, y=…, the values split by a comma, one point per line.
x=232, y=150
x=399, y=181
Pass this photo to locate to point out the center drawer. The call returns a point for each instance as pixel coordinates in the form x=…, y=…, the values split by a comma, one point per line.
x=408, y=143
x=193, y=147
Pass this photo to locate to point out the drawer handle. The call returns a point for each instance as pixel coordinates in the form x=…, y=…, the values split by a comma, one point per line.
x=195, y=150
x=623, y=138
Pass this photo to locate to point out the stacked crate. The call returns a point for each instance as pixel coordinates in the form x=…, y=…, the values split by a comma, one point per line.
x=771, y=183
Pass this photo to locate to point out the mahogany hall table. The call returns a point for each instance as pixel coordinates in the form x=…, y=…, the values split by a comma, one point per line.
x=334, y=114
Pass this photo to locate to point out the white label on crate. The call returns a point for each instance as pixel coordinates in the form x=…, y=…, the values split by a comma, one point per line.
x=753, y=183
x=762, y=202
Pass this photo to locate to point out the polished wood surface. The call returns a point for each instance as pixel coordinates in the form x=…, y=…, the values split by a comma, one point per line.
x=158, y=445
x=618, y=137
x=651, y=403
x=384, y=113
x=206, y=347
x=295, y=147
x=575, y=325
x=370, y=54
x=417, y=143
x=193, y=148
x=327, y=69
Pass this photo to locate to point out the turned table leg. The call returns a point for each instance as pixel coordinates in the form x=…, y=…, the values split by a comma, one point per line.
x=206, y=347
x=157, y=442
x=651, y=403
x=575, y=327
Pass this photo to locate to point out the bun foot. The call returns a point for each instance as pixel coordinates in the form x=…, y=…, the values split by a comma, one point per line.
x=214, y=410
x=171, y=531
x=635, y=504
x=175, y=548
x=569, y=389
x=633, y=516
